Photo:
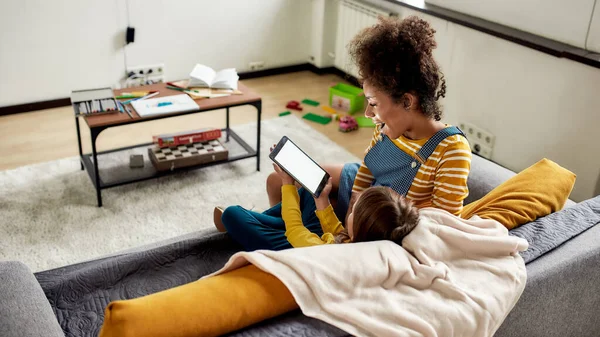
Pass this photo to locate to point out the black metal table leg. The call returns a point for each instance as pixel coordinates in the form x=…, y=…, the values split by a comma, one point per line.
x=95, y=134
x=227, y=123
x=79, y=142
x=258, y=113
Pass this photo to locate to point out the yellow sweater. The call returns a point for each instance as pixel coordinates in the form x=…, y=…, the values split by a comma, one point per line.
x=440, y=182
x=296, y=233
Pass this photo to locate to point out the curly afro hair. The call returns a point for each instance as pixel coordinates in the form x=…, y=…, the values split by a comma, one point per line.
x=396, y=57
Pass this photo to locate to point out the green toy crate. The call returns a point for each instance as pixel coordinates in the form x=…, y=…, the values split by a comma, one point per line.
x=346, y=97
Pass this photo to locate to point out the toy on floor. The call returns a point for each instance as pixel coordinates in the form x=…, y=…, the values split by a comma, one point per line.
x=285, y=113
x=346, y=97
x=310, y=102
x=365, y=122
x=317, y=118
x=294, y=105
x=329, y=109
x=348, y=124
x=136, y=161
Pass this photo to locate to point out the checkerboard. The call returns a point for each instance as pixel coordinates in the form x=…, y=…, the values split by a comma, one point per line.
x=170, y=158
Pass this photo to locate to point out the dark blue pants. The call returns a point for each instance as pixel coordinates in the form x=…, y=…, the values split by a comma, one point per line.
x=266, y=230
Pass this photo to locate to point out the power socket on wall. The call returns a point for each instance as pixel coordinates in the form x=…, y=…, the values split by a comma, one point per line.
x=256, y=65
x=145, y=74
x=481, y=141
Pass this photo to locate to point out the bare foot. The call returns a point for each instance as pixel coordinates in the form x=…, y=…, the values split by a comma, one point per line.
x=217, y=213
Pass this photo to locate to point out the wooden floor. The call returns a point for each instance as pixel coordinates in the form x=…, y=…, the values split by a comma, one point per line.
x=46, y=135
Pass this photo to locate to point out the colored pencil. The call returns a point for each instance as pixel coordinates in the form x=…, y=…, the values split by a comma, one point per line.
x=151, y=94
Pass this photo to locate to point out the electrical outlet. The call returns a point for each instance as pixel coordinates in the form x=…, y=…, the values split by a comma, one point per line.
x=133, y=81
x=154, y=79
x=256, y=65
x=481, y=141
x=148, y=70
x=143, y=75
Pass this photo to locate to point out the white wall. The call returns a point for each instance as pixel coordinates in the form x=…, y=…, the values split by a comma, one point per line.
x=317, y=35
x=536, y=105
x=593, y=40
x=562, y=20
x=220, y=34
x=323, y=34
x=52, y=48
x=49, y=48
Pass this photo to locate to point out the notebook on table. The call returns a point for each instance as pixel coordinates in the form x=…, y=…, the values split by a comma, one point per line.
x=164, y=105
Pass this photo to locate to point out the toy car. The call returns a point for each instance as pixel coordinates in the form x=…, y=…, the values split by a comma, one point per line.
x=294, y=105
x=348, y=124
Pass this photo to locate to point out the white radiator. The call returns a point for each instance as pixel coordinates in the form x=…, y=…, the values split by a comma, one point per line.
x=352, y=17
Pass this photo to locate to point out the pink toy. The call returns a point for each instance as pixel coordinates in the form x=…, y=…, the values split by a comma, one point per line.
x=348, y=124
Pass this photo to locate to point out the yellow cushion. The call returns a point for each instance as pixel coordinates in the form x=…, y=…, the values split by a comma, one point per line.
x=536, y=191
x=207, y=307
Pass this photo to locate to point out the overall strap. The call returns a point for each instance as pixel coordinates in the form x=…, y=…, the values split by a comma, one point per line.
x=433, y=142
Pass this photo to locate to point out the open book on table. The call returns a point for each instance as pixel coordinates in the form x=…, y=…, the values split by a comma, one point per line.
x=203, y=76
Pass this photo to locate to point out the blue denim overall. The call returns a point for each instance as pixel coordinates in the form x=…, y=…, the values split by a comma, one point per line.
x=390, y=166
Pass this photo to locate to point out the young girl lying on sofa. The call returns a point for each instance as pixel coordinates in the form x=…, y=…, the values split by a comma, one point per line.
x=378, y=214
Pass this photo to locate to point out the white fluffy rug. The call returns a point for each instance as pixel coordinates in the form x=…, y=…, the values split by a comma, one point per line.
x=49, y=218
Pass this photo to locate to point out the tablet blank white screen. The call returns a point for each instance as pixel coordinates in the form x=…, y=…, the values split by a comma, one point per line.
x=300, y=166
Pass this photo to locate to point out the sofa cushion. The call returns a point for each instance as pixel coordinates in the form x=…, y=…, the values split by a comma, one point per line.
x=485, y=175
x=24, y=309
x=537, y=191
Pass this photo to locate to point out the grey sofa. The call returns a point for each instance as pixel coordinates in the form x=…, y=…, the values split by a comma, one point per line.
x=561, y=298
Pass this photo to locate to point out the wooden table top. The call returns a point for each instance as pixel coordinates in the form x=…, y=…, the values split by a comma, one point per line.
x=114, y=119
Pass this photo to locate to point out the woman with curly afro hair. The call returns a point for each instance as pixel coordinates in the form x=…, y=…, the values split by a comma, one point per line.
x=412, y=151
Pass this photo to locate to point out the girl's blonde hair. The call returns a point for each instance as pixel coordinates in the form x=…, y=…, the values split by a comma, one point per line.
x=381, y=214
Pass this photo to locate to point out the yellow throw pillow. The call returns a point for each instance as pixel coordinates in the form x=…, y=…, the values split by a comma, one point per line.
x=536, y=191
x=207, y=307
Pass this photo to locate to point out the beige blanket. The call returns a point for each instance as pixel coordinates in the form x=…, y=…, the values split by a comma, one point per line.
x=451, y=277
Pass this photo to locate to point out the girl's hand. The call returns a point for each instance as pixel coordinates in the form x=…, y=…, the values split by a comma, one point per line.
x=286, y=179
x=322, y=201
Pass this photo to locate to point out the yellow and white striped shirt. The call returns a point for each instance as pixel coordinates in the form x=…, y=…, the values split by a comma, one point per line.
x=440, y=182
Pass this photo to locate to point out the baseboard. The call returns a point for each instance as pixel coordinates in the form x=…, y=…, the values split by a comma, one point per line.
x=27, y=107
x=335, y=71
x=301, y=67
x=60, y=102
x=353, y=80
x=277, y=71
